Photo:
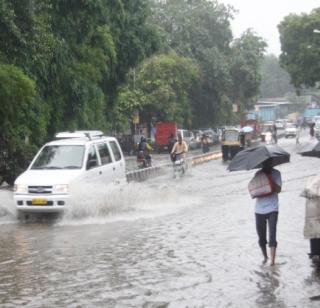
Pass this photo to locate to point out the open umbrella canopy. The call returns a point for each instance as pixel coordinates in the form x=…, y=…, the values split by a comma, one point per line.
x=253, y=158
x=247, y=129
x=311, y=148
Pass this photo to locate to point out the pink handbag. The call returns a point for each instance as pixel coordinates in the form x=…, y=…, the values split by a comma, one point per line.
x=260, y=185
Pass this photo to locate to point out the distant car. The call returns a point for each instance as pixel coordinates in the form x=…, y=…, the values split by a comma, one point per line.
x=188, y=137
x=280, y=123
x=213, y=136
x=197, y=138
x=316, y=119
x=290, y=130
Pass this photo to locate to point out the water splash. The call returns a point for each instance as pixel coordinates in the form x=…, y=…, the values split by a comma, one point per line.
x=7, y=209
x=98, y=203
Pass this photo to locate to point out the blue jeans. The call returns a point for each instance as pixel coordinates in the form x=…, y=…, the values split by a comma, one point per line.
x=261, y=226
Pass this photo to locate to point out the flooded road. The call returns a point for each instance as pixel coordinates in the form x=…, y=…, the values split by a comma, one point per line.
x=162, y=243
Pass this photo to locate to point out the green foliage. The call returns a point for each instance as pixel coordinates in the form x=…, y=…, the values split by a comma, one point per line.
x=247, y=55
x=275, y=81
x=77, y=53
x=72, y=62
x=26, y=36
x=300, y=45
x=167, y=82
x=22, y=122
x=194, y=25
x=200, y=30
x=162, y=87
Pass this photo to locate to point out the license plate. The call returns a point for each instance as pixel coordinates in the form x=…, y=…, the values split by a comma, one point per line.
x=39, y=201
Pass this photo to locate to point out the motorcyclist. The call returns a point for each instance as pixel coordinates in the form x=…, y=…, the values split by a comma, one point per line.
x=145, y=149
x=180, y=147
x=205, y=143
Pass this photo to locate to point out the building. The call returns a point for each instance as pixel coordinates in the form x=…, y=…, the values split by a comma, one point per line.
x=271, y=110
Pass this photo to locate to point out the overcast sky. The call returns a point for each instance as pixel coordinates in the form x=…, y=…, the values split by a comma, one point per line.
x=263, y=16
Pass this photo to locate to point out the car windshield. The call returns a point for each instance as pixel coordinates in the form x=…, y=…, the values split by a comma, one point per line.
x=289, y=125
x=60, y=157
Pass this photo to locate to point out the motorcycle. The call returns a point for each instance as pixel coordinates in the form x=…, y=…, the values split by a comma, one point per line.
x=179, y=167
x=269, y=138
x=143, y=160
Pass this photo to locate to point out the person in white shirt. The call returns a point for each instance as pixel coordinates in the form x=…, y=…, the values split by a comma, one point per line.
x=266, y=212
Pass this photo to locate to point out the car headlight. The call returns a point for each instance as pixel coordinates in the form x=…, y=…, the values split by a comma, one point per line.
x=20, y=188
x=61, y=189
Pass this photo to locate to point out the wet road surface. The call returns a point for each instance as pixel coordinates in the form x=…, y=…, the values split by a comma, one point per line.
x=162, y=243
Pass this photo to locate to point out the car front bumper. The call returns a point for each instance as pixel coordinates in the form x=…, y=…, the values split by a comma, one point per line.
x=41, y=203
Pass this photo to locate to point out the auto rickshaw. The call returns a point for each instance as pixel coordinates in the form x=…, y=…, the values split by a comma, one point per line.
x=232, y=141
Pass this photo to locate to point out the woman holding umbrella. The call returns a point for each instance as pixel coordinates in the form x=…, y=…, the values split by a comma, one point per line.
x=266, y=211
x=267, y=202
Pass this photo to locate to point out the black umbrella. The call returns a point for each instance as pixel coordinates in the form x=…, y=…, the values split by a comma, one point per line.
x=311, y=148
x=253, y=158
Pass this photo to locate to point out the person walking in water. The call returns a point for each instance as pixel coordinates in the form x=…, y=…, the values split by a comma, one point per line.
x=266, y=212
x=298, y=134
x=312, y=125
x=275, y=133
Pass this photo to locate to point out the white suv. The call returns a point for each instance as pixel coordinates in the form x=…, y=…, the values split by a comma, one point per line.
x=78, y=157
x=290, y=130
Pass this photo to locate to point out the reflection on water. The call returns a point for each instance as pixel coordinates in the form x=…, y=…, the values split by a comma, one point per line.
x=267, y=285
x=163, y=243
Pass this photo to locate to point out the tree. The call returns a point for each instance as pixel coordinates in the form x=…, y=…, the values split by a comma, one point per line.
x=247, y=55
x=300, y=46
x=22, y=121
x=275, y=81
x=77, y=54
x=163, y=88
x=200, y=30
x=99, y=42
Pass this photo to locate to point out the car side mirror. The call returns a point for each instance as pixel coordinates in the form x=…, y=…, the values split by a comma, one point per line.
x=91, y=163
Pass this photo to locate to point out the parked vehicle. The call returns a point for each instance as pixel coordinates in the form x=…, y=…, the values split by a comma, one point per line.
x=316, y=119
x=80, y=157
x=197, y=138
x=230, y=143
x=290, y=130
x=212, y=134
x=162, y=137
x=188, y=137
x=309, y=114
x=280, y=123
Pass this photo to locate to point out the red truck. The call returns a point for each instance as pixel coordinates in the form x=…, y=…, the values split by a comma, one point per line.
x=165, y=130
x=255, y=134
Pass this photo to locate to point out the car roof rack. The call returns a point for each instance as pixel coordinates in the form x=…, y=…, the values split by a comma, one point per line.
x=90, y=134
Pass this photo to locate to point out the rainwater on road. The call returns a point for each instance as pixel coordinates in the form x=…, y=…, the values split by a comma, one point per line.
x=162, y=243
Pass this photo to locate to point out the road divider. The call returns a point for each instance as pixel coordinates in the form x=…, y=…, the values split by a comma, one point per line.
x=161, y=169
x=200, y=159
